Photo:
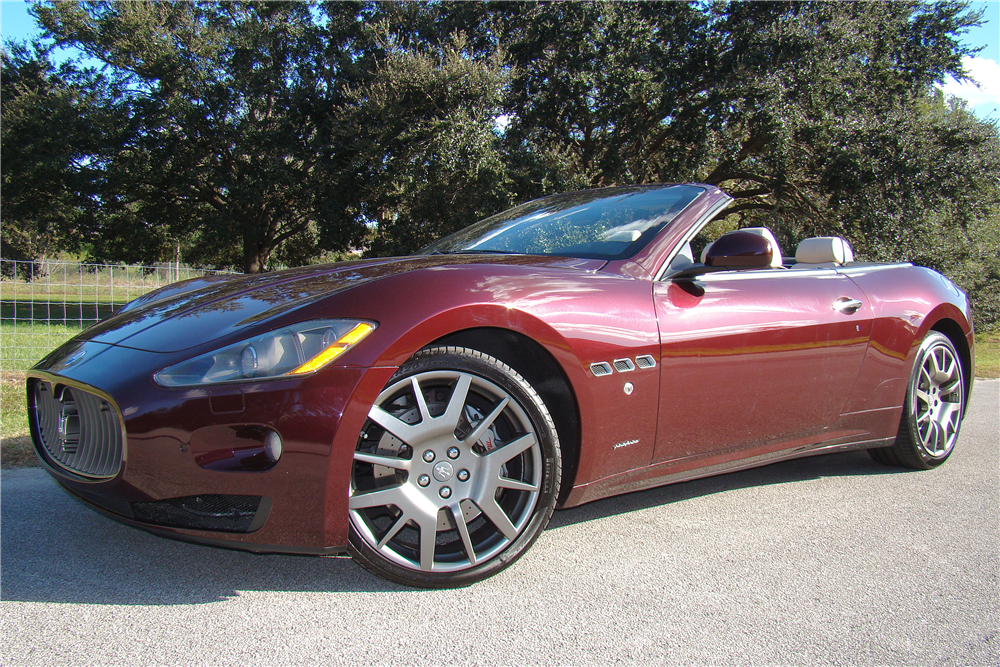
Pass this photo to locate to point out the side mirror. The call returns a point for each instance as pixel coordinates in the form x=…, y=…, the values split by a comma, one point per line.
x=735, y=250
x=740, y=250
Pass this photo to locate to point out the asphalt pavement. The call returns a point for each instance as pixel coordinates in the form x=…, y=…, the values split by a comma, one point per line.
x=826, y=560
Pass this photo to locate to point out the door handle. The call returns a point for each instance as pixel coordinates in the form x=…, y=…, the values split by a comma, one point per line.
x=847, y=305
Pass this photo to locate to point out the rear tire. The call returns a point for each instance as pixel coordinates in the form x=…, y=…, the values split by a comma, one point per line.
x=933, y=408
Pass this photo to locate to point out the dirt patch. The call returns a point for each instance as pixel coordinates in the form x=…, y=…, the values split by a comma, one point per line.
x=17, y=452
x=12, y=377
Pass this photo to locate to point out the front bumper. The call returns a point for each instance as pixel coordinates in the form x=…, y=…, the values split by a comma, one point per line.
x=171, y=476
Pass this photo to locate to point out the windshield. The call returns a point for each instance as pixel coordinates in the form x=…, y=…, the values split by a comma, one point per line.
x=609, y=223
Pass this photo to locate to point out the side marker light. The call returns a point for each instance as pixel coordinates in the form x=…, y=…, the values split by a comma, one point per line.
x=336, y=349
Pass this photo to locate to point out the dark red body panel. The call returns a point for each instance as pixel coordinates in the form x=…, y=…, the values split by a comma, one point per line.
x=751, y=367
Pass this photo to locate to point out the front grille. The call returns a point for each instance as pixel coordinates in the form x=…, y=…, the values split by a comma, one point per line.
x=78, y=430
x=232, y=514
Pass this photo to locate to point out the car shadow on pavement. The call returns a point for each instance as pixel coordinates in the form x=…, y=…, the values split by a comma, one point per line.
x=844, y=464
x=57, y=550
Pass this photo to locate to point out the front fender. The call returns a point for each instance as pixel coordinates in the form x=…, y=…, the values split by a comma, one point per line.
x=578, y=317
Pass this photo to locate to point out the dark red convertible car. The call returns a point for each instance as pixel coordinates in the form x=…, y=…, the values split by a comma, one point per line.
x=429, y=413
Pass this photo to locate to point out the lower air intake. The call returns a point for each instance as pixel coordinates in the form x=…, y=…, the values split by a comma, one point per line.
x=230, y=514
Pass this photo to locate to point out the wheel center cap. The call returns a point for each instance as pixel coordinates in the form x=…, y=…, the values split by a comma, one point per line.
x=443, y=471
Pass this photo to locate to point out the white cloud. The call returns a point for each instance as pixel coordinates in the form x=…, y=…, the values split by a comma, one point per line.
x=985, y=73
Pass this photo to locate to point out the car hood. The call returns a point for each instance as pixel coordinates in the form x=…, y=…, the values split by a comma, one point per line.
x=205, y=309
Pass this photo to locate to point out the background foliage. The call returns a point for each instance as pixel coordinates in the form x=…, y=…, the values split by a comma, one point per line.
x=256, y=134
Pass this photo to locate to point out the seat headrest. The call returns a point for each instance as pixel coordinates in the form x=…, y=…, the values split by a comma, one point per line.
x=824, y=250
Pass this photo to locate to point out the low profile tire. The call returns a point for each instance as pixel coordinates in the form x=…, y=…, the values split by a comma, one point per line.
x=456, y=471
x=933, y=410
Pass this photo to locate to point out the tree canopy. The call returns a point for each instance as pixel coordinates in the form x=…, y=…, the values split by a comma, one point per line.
x=249, y=134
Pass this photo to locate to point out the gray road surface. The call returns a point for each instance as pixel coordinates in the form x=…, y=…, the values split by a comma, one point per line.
x=828, y=560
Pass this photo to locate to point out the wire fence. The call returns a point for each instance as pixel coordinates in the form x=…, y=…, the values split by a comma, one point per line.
x=44, y=303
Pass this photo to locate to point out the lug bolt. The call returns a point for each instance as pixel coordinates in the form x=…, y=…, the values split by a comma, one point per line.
x=453, y=452
x=428, y=456
x=445, y=492
x=423, y=480
x=463, y=475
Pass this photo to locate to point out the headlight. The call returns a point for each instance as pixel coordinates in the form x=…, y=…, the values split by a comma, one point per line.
x=295, y=350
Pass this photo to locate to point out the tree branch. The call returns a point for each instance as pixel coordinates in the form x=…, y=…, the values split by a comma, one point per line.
x=747, y=206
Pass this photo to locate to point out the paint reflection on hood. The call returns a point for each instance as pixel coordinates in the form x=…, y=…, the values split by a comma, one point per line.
x=212, y=307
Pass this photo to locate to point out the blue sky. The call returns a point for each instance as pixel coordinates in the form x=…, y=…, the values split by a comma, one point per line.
x=15, y=23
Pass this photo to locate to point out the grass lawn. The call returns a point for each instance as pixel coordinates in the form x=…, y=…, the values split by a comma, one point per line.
x=15, y=443
x=988, y=355
x=21, y=345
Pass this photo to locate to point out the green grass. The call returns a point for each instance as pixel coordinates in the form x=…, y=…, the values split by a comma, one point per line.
x=988, y=355
x=21, y=345
x=15, y=441
x=57, y=312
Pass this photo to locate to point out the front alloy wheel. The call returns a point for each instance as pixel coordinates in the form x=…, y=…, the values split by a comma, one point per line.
x=456, y=471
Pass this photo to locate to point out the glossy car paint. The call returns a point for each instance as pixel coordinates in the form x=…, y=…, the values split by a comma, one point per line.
x=751, y=367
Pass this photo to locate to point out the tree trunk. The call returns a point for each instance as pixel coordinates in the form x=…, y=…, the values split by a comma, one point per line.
x=254, y=257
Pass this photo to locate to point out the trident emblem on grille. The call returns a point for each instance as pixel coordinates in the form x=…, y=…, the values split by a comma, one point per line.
x=68, y=431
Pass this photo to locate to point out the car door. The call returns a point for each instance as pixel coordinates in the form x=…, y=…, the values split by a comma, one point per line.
x=756, y=357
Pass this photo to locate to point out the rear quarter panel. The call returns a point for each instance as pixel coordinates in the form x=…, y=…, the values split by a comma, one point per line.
x=908, y=302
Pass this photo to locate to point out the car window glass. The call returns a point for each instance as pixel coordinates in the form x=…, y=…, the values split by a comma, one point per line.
x=610, y=223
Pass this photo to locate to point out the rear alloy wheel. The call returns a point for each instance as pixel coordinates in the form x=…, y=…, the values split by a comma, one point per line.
x=933, y=411
x=456, y=471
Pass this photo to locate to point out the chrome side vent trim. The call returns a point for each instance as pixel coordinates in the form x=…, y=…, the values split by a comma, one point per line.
x=624, y=365
x=601, y=368
x=645, y=361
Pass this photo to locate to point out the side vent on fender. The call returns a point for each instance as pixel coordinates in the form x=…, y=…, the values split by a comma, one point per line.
x=645, y=361
x=624, y=365
x=601, y=368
